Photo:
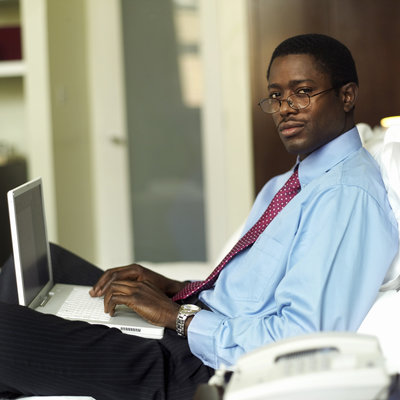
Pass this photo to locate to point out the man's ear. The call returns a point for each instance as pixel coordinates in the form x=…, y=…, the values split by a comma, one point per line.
x=349, y=94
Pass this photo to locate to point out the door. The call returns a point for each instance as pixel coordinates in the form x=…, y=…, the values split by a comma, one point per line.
x=171, y=123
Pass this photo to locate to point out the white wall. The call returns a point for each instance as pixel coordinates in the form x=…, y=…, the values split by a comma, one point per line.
x=39, y=139
x=226, y=120
x=57, y=121
x=72, y=145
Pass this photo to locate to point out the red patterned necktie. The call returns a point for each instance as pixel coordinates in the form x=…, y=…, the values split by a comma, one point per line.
x=284, y=195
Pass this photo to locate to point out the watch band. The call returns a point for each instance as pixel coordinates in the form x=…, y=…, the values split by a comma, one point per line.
x=185, y=311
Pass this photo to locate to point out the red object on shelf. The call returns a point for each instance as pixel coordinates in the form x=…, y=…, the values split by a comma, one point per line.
x=10, y=43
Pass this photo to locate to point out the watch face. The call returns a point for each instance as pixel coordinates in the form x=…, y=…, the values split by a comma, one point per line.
x=189, y=309
x=185, y=311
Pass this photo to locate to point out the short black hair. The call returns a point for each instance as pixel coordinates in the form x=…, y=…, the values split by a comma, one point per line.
x=332, y=56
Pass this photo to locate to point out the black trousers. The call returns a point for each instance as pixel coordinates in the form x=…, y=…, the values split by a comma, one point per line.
x=45, y=355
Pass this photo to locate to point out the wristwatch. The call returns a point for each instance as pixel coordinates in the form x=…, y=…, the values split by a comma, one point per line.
x=186, y=310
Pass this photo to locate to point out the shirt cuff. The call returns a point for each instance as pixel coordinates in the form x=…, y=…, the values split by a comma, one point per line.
x=201, y=336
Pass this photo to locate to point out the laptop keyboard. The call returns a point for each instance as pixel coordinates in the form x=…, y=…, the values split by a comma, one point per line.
x=79, y=305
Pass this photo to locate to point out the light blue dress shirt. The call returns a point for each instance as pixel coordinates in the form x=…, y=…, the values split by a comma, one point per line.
x=317, y=266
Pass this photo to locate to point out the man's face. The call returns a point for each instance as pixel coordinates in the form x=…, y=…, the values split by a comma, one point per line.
x=303, y=131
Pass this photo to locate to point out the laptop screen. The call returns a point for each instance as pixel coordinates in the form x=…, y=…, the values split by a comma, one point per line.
x=32, y=240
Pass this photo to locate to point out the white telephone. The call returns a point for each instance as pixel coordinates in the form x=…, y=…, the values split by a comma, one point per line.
x=330, y=365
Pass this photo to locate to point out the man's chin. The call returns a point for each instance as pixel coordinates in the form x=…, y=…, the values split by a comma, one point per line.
x=298, y=146
x=293, y=147
x=297, y=151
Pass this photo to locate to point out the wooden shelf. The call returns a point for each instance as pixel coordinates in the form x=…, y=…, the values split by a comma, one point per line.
x=10, y=69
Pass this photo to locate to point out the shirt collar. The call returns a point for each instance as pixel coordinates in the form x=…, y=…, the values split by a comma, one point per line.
x=327, y=156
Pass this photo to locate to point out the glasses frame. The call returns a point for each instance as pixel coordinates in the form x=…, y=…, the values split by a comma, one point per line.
x=290, y=102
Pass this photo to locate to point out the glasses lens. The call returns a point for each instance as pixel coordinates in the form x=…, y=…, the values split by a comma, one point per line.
x=269, y=106
x=298, y=100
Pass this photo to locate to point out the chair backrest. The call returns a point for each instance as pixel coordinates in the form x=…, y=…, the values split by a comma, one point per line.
x=384, y=145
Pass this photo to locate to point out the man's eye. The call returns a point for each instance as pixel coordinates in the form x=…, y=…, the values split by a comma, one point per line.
x=304, y=90
x=274, y=95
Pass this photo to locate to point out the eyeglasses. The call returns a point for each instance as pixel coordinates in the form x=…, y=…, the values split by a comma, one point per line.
x=297, y=101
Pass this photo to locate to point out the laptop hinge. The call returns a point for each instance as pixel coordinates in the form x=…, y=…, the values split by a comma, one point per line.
x=45, y=300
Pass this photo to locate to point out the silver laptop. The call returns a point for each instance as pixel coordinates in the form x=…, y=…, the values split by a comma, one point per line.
x=34, y=275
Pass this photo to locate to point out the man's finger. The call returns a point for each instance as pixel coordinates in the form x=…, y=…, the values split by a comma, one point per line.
x=115, y=274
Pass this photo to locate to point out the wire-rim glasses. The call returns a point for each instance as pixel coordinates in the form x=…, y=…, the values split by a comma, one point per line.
x=297, y=101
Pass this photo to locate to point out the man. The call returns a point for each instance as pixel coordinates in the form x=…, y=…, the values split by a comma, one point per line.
x=313, y=261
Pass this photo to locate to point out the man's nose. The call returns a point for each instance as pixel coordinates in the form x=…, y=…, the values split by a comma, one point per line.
x=285, y=107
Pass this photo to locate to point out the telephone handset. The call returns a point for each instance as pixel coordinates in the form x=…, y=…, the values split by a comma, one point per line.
x=328, y=365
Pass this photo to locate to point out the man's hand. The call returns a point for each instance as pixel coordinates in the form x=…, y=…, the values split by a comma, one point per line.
x=135, y=273
x=144, y=298
x=142, y=290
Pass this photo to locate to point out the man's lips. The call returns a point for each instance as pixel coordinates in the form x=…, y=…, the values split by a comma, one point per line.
x=290, y=128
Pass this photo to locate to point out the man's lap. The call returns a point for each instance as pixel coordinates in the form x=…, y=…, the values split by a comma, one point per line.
x=44, y=354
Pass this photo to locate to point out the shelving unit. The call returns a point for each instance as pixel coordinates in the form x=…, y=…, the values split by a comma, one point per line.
x=12, y=79
x=12, y=114
x=11, y=69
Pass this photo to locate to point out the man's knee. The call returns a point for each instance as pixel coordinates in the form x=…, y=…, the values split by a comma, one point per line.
x=8, y=285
